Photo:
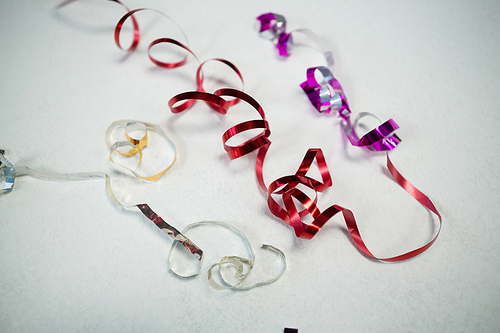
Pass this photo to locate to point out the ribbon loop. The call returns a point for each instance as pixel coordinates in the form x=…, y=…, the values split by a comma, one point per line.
x=326, y=95
x=271, y=25
x=381, y=138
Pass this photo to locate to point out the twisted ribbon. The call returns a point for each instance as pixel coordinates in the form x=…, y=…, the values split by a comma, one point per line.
x=327, y=95
x=273, y=26
x=287, y=186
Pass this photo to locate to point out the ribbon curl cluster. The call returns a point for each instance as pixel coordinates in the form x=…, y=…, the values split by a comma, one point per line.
x=327, y=95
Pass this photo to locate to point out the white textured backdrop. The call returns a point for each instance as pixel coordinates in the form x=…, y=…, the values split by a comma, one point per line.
x=71, y=260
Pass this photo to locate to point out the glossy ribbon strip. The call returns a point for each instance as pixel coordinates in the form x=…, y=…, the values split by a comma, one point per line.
x=243, y=266
x=327, y=94
x=287, y=186
x=273, y=26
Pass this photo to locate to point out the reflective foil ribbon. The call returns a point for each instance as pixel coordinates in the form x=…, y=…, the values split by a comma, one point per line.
x=273, y=26
x=7, y=173
x=326, y=95
x=381, y=138
x=171, y=231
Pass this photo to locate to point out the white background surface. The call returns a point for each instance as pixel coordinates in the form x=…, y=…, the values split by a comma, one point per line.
x=71, y=260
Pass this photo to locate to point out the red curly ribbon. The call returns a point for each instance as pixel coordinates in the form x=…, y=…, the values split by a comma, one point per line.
x=287, y=186
x=211, y=101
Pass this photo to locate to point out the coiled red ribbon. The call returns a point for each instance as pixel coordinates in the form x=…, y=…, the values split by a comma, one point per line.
x=287, y=186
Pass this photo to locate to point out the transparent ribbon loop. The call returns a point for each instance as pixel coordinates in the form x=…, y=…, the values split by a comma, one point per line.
x=136, y=146
x=326, y=95
x=244, y=266
x=139, y=144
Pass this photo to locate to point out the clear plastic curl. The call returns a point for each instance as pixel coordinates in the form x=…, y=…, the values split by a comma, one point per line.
x=243, y=266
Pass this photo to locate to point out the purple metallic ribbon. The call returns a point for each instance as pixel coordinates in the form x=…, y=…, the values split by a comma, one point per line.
x=272, y=24
x=320, y=94
x=328, y=95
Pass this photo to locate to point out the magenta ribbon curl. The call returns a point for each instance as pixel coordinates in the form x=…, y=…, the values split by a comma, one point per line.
x=328, y=95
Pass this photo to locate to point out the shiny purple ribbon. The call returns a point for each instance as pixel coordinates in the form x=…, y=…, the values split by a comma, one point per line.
x=326, y=95
x=381, y=138
x=273, y=26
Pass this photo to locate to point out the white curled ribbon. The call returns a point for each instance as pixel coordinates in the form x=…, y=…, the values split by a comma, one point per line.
x=239, y=263
x=8, y=173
